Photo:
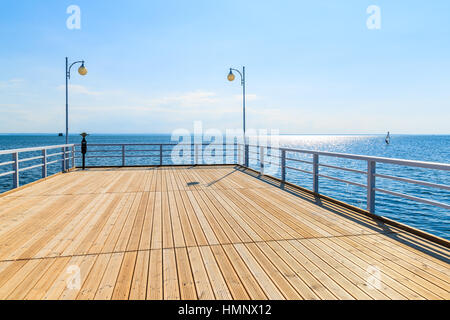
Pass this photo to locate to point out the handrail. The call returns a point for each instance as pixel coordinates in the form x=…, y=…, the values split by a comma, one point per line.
x=36, y=148
x=160, y=151
x=242, y=155
x=411, y=163
x=67, y=153
x=370, y=174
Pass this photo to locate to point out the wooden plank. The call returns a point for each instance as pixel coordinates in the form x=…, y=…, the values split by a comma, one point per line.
x=251, y=285
x=157, y=240
x=140, y=276
x=136, y=231
x=123, y=282
x=216, y=279
x=197, y=229
x=274, y=273
x=270, y=289
x=146, y=234
x=231, y=278
x=287, y=272
x=90, y=286
x=185, y=277
x=108, y=281
x=47, y=279
x=188, y=233
x=170, y=275
x=325, y=279
x=155, y=276
x=316, y=286
x=70, y=292
x=177, y=230
x=202, y=284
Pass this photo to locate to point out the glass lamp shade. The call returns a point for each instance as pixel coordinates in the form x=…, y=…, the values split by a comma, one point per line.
x=231, y=76
x=82, y=70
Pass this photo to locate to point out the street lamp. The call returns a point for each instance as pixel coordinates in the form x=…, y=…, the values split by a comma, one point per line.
x=82, y=71
x=231, y=77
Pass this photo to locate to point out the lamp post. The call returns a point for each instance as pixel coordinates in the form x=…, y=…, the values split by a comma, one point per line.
x=231, y=77
x=82, y=71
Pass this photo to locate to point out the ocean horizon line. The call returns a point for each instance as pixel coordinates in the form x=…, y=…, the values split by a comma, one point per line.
x=281, y=134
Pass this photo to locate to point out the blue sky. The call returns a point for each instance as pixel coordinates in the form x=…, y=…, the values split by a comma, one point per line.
x=313, y=67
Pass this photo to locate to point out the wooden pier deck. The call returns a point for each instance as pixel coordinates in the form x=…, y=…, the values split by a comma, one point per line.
x=202, y=233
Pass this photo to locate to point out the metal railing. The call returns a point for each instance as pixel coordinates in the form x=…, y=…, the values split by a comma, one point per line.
x=236, y=153
x=265, y=155
x=157, y=153
x=66, y=154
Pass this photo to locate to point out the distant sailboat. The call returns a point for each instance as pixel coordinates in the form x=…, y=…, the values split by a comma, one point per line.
x=388, y=138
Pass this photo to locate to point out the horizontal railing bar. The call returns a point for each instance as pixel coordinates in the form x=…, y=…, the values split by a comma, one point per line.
x=120, y=151
x=146, y=156
x=156, y=150
x=31, y=167
x=431, y=202
x=35, y=149
x=298, y=160
x=423, y=183
x=297, y=169
x=54, y=161
x=6, y=163
x=412, y=163
x=29, y=159
x=54, y=154
x=6, y=173
x=344, y=181
x=99, y=157
x=341, y=168
x=154, y=144
x=271, y=162
x=98, y=151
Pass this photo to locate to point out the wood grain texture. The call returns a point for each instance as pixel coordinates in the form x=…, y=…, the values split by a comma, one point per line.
x=202, y=233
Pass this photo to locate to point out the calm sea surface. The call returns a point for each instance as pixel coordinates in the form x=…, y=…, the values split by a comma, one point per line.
x=434, y=148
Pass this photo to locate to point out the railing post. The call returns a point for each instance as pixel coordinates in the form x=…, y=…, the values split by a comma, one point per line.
x=16, y=170
x=73, y=156
x=160, y=154
x=224, y=150
x=63, y=169
x=371, y=169
x=196, y=154
x=123, y=155
x=238, y=149
x=66, y=153
x=316, y=173
x=283, y=165
x=44, y=163
x=246, y=160
x=261, y=159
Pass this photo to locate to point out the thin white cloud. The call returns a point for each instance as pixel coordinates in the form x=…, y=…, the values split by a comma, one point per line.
x=79, y=89
x=12, y=83
x=248, y=97
x=189, y=99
